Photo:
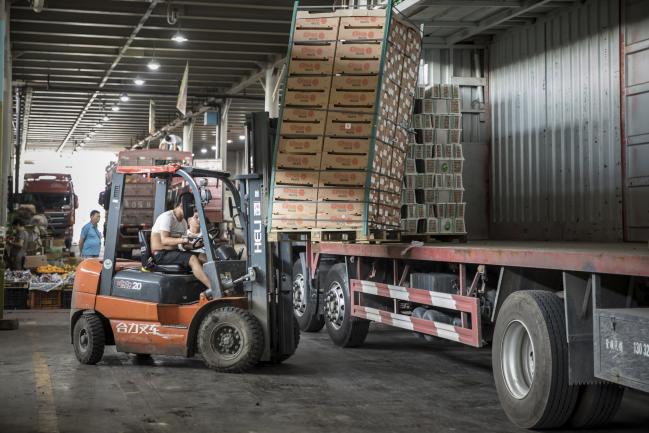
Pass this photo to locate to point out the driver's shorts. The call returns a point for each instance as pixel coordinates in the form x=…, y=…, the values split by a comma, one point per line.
x=173, y=257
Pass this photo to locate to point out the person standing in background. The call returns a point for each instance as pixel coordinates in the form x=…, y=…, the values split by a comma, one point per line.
x=90, y=238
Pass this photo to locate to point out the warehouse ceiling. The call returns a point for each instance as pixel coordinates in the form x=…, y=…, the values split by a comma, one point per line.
x=74, y=59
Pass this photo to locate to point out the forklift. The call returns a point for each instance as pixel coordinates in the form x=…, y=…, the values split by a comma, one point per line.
x=148, y=309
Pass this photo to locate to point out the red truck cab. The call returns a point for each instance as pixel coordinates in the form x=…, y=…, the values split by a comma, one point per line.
x=53, y=195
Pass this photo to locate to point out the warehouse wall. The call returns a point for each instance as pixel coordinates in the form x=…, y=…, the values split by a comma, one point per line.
x=555, y=130
x=446, y=67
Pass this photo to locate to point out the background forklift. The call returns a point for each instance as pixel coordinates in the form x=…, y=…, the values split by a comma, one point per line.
x=165, y=310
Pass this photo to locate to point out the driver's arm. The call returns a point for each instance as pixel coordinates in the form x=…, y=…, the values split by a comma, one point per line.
x=167, y=239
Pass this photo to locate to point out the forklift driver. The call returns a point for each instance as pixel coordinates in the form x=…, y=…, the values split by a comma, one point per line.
x=169, y=232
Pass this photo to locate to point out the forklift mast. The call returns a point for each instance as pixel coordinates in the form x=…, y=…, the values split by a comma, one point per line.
x=272, y=290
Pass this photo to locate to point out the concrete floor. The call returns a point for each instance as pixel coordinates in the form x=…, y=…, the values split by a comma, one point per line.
x=394, y=383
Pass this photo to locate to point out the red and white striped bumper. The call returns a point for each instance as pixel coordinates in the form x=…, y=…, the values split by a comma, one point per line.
x=470, y=335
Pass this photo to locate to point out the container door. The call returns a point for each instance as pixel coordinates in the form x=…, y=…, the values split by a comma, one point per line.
x=636, y=83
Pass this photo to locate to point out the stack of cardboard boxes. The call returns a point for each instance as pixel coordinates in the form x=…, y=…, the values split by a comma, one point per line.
x=433, y=192
x=341, y=148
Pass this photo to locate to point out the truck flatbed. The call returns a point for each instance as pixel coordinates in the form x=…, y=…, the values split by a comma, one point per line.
x=605, y=258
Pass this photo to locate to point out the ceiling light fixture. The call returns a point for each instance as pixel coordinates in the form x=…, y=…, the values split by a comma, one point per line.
x=105, y=118
x=124, y=97
x=229, y=141
x=153, y=65
x=203, y=150
x=213, y=148
x=179, y=37
x=242, y=137
x=99, y=125
x=115, y=108
x=139, y=81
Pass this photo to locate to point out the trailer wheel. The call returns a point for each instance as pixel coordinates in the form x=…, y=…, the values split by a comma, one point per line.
x=305, y=301
x=530, y=360
x=596, y=405
x=344, y=330
x=231, y=340
x=89, y=339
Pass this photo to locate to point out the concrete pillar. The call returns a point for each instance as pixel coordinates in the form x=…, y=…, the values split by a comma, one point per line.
x=188, y=136
x=222, y=150
x=271, y=100
x=6, y=140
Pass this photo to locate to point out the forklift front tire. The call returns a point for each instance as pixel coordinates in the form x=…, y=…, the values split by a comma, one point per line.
x=89, y=339
x=230, y=340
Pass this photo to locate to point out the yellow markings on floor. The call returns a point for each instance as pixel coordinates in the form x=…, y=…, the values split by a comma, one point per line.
x=46, y=410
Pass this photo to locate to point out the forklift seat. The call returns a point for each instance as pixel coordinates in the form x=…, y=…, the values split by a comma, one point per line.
x=147, y=258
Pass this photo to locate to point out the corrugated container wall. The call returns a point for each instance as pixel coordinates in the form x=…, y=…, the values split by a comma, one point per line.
x=555, y=131
x=450, y=67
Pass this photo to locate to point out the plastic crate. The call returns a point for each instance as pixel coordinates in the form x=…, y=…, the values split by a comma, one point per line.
x=44, y=300
x=16, y=298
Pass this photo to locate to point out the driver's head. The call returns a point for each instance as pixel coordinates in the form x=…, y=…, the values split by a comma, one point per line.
x=193, y=221
x=185, y=201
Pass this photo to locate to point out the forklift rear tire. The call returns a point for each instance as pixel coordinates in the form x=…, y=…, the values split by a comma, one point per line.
x=530, y=360
x=344, y=330
x=305, y=301
x=89, y=339
x=231, y=340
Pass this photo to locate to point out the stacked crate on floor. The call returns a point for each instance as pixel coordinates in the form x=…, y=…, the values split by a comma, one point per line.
x=433, y=193
x=341, y=146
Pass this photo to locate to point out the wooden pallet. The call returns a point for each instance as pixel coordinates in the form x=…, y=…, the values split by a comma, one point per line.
x=434, y=237
x=335, y=235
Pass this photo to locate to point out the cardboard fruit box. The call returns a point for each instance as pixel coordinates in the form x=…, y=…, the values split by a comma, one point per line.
x=300, y=144
x=363, y=28
x=308, y=83
x=307, y=99
x=310, y=28
x=297, y=178
x=323, y=51
x=298, y=161
x=294, y=209
x=346, y=145
x=349, y=124
x=295, y=193
x=311, y=67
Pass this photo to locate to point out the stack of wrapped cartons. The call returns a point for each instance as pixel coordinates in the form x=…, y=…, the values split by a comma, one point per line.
x=348, y=99
x=433, y=192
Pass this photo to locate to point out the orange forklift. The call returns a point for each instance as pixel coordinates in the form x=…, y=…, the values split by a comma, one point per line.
x=148, y=309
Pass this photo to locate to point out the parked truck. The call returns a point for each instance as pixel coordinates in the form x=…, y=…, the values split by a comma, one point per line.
x=137, y=213
x=53, y=195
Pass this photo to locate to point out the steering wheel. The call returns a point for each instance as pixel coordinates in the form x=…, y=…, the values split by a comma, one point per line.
x=196, y=243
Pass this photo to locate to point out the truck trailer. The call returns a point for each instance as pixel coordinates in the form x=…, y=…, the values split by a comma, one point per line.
x=555, y=273
x=53, y=195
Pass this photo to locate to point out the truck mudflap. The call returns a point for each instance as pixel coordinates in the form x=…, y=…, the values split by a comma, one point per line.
x=470, y=333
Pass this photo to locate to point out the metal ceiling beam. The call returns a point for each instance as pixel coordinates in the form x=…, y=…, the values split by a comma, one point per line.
x=125, y=47
x=408, y=6
x=254, y=78
x=448, y=24
x=496, y=19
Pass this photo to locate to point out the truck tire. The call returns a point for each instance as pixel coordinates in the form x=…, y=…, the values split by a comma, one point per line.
x=596, y=405
x=305, y=302
x=530, y=360
x=231, y=340
x=89, y=339
x=344, y=330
